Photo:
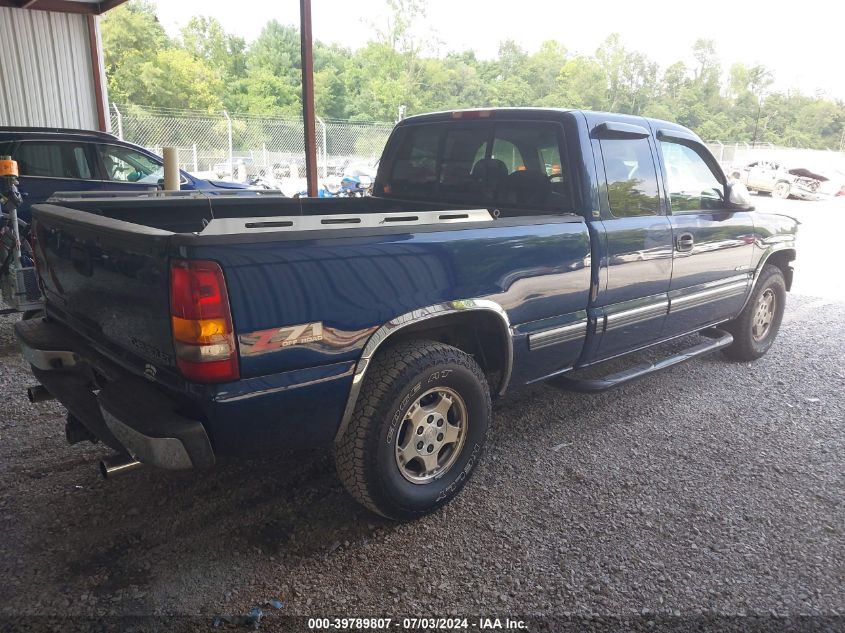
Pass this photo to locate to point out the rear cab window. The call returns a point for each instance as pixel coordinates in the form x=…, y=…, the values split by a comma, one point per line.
x=510, y=165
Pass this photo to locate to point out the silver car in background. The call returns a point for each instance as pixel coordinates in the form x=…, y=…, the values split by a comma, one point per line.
x=782, y=182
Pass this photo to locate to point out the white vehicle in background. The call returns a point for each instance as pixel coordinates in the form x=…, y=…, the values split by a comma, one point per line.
x=773, y=177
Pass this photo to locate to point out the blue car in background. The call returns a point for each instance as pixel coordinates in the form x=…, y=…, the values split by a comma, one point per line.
x=53, y=160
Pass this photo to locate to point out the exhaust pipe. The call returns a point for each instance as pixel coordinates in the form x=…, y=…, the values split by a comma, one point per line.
x=118, y=465
x=39, y=393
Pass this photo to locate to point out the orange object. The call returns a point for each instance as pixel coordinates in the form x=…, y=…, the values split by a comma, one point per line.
x=8, y=167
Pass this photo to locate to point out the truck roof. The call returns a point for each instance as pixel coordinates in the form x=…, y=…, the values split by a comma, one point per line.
x=540, y=113
x=481, y=113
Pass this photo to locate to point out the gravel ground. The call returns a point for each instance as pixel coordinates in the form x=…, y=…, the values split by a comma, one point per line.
x=714, y=486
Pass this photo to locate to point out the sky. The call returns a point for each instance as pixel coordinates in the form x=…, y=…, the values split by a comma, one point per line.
x=803, y=47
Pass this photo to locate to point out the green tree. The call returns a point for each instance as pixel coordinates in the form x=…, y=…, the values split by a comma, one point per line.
x=175, y=79
x=208, y=68
x=542, y=70
x=581, y=83
x=206, y=39
x=131, y=37
x=273, y=77
x=630, y=77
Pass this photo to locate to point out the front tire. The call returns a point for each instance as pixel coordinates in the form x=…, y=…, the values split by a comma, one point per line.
x=756, y=328
x=781, y=190
x=419, y=427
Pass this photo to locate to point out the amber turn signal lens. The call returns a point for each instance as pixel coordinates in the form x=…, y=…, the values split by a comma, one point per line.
x=199, y=331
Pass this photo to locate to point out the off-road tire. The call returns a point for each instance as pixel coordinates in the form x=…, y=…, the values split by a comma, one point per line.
x=365, y=456
x=745, y=347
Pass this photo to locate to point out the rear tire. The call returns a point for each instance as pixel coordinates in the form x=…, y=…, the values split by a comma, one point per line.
x=419, y=427
x=756, y=328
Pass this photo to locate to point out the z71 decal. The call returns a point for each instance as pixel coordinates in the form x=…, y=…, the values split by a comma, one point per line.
x=279, y=338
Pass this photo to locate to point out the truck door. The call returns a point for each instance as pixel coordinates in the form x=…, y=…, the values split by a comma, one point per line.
x=713, y=245
x=636, y=262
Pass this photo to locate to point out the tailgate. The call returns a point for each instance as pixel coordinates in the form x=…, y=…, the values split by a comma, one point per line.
x=109, y=281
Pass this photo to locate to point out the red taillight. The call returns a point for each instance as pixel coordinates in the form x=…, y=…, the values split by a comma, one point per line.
x=203, y=335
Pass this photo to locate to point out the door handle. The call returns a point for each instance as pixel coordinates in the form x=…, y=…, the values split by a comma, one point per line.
x=684, y=242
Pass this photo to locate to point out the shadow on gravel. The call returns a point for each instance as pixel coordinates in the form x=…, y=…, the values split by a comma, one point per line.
x=123, y=539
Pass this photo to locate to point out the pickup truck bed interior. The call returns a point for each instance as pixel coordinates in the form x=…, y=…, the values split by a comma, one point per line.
x=193, y=211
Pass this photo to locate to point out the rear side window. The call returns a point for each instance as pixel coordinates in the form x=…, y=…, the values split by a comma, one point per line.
x=60, y=159
x=631, y=177
x=503, y=164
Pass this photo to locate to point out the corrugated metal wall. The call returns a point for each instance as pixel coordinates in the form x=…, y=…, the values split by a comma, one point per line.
x=45, y=70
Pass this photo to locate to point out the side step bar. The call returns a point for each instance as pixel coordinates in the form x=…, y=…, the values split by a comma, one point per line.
x=719, y=340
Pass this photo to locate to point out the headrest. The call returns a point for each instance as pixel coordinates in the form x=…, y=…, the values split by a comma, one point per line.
x=491, y=168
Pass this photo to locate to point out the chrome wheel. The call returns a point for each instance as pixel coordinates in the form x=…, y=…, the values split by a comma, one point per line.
x=764, y=314
x=431, y=435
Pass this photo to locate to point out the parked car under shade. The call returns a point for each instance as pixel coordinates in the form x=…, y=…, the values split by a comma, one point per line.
x=52, y=159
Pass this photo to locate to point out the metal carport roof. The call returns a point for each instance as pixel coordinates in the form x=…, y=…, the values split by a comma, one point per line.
x=89, y=7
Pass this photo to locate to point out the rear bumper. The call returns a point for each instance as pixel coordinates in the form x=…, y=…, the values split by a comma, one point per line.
x=124, y=411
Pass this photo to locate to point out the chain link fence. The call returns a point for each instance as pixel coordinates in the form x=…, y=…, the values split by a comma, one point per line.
x=237, y=146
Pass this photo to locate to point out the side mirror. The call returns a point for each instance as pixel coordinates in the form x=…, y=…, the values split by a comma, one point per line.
x=738, y=196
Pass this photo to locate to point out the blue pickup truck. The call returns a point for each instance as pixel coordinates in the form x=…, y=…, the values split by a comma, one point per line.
x=501, y=248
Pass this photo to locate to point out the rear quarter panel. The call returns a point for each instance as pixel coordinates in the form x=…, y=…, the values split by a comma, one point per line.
x=352, y=282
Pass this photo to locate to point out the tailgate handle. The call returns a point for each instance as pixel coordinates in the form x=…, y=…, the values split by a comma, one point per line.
x=81, y=259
